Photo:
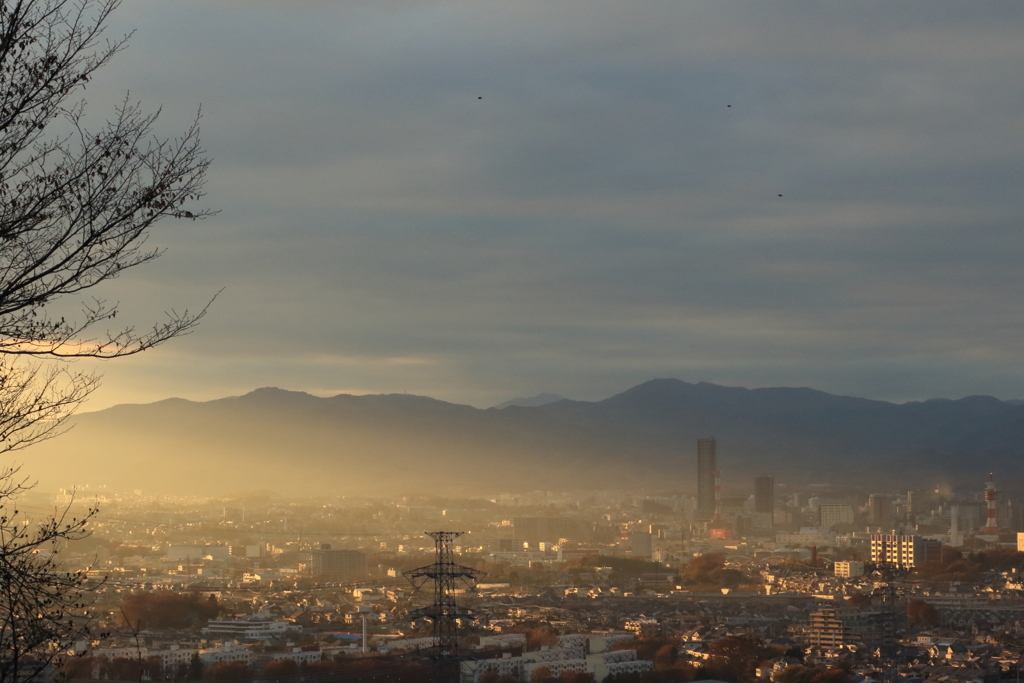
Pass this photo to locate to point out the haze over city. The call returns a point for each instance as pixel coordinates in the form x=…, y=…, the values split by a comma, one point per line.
x=656, y=341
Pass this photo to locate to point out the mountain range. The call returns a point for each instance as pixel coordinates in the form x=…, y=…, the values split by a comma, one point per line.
x=293, y=442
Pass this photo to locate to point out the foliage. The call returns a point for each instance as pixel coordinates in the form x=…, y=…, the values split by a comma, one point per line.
x=543, y=674
x=164, y=609
x=682, y=675
x=921, y=612
x=952, y=566
x=377, y=670
x=797, y=673
x=734, y=658
x=999, y=559
x=710, y=569
x=195, y=668
x=492, y=676
x=702, y=566
x=281, y=668
x=536, y=638
x=130, y=669
x=730, y=578
x=664, y=652
x=860, y=600
x=623, y=568
x=231, y=671
x=383, y=669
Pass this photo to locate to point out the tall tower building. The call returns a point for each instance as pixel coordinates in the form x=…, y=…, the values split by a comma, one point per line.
x=707, y=474
x=764, y=494
x=764, y=503
x=338, y=565
x=991, y=518
x=880, y=511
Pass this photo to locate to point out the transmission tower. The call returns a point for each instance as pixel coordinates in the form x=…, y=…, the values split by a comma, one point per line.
x=890, y=594
x=444, y=613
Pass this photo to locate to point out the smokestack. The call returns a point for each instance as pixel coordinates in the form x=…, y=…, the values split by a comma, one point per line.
x=991, y=524
x=364, y=611
x=718, y=497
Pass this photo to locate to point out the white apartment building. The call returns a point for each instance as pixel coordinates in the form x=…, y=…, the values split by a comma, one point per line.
x=249, y=627
x=835, y=513
x=807, y=535
x=546, y=654
x=558, y=661
x=174, y=656
x=129, y=652
x=506, y=640
x=616, y=662
x=295, y=654
x=847, y=569
x=412, y=644
x=229, y=652
x=903, y=551
x=567, y=640
x=507, y=665
x=643, y=627
x=604, y=641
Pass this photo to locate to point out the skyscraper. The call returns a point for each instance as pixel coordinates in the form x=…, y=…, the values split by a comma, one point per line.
x=764, y=495
x=707, y=468
x=880, y=511
x=764, y=504
x=338, y=565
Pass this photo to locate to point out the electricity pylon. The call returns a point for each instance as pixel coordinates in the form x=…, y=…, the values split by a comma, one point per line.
x=444, y=614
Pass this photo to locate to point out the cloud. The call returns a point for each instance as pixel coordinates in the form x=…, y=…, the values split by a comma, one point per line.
x=601, y=216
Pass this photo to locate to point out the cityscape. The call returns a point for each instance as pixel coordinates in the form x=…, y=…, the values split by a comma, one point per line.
x=511, y=341
x=769, y=583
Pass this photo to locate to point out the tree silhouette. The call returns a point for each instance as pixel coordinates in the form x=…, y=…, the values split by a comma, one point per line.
x=42, y=607
x=76, y=205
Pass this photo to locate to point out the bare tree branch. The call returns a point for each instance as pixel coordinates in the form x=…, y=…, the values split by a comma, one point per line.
x=43, y=607
x=76, y=207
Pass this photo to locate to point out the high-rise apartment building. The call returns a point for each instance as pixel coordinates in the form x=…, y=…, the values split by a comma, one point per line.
x=836, y=627
x=880, y=511
x=707, y=474
x=338, y=565
x=832, y=514
x=903, y=551
x=764, y=503
x=537, y=530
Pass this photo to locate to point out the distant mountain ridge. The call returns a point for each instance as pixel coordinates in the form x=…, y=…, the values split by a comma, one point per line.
x=531, y=401
x=291, y=441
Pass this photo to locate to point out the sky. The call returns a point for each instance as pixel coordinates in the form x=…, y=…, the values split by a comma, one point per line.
x=477, y=200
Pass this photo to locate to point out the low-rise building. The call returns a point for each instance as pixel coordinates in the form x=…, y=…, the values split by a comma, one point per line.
x=251, y=628
x=229, y=652
x=848, y=569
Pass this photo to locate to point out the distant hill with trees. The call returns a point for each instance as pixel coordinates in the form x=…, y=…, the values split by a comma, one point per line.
x=292, y=442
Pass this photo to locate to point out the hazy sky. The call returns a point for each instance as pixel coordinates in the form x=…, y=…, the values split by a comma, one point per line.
x=602, y=216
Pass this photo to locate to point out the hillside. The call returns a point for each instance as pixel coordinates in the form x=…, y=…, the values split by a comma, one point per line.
x=293, y=442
